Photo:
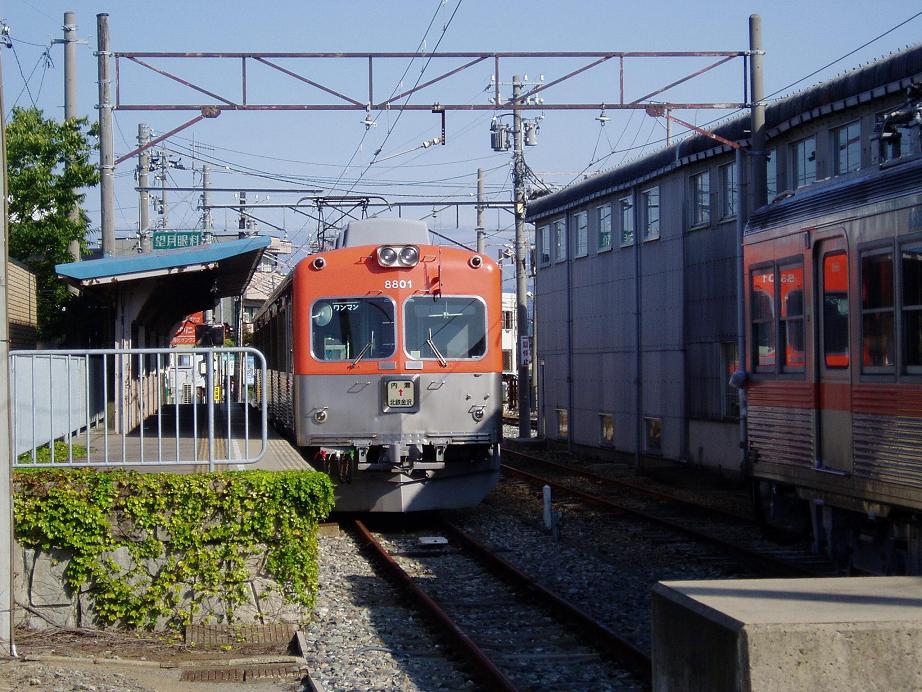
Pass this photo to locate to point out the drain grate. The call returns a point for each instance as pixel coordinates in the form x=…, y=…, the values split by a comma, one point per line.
x=218, y=635
x=242, y=673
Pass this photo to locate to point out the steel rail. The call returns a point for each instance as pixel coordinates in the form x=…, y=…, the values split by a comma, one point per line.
x=599, y=634
x=658, y=494
x=491, y=676
x=770, y=564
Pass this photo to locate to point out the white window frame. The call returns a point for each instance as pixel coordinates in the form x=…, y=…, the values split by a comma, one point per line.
x=580, y=234
x=648, y=232
x=836, y=137
x=699, y=186
x=560, y=240
x=626, y=204
x=798, y=153
x=545, y=234
x=728, y=183
x=604, y=222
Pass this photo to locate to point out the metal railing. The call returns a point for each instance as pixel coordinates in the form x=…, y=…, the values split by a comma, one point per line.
x=138, y=407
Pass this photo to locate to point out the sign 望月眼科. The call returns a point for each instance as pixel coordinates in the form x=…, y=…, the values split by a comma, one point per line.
x=172, y=240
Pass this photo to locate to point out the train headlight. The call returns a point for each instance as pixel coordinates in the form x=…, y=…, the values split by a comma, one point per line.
x=387, y=256
x=409, y=256
x=476, y=262
x=400, y=256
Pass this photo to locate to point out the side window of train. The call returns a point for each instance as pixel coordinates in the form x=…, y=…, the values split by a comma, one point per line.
x=835, y=310
x=877, y=308
x=791, y=277
x=762, y=311
x=912, y=306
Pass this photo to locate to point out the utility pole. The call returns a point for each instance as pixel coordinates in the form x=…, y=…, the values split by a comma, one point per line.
x=757, y=187
x=144, y=193
x=242, y=219
x=70, y=102
x=164, y=211
x=521, y=295
x=7, y=647
x=481, y=235
x=206, y=207
x=106, y=151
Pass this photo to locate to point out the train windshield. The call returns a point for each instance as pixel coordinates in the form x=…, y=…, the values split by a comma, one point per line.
x=446, y=327
x=352, y=328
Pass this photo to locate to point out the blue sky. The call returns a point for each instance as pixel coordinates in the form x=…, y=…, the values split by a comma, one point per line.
x=312, y=149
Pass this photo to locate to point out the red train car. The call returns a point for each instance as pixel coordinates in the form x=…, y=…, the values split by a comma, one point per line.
x=833, y=305
x=385, y=364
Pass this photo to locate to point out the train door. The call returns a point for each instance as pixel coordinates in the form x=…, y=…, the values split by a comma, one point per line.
x=833, y=366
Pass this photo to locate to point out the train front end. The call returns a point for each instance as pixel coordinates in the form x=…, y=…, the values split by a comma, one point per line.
x=398, y=364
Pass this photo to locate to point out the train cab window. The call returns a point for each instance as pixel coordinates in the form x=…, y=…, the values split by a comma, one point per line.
x=835, y=310
x=762, y=311
x=352, y=328
x=445, y=328
x=912, y=306
x=877, y=328
x=792, y=317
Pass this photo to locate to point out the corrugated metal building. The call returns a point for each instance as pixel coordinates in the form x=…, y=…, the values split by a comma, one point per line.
x=636, y=272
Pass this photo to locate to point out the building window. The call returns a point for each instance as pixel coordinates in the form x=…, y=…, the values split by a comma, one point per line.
x=509, y=320
x=560, y=241
x=701, y=199
x=604, y=217
x=730, y=363
x=794, y=357
x=606, y=429
x=581, y=236
x=896, y=141
x=545, y=234
x=835, y=310
x=803, y=162
x=728, y=191
x=912, y=306
x=626, y=205
x=563, y=423
x=877, y=334
x=846, y=142
x=762, y=319
x=771, y=174
x=653, y=442
x=650, y=199
x=507, y=360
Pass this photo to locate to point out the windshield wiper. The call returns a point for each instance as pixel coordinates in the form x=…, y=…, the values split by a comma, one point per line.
x=362, y=354
x=431, y=344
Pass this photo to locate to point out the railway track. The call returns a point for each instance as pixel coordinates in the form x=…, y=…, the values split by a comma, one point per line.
x=726, y=531
x=515, y=633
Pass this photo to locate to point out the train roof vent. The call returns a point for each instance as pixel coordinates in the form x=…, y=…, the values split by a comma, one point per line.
x=390, y=231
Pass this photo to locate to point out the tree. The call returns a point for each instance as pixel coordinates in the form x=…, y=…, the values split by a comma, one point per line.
x=48, y=167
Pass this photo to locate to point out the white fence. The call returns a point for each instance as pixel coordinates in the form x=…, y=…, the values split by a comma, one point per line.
x=119, y=407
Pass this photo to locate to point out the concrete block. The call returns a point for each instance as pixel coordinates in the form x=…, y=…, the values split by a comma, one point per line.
x=46, y=583
x=761, y=635
x=273, y=606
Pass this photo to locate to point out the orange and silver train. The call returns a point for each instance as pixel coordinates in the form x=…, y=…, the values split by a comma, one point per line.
x=385, y=365
x=833, y=306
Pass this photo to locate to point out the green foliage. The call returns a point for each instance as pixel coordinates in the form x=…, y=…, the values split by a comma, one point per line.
x=61, y=452
x=43, y=192
x=185, y=534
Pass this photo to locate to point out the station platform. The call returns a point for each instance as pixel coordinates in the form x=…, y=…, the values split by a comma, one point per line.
x=861, y=633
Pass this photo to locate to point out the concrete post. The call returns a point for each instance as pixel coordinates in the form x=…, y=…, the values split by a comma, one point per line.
x=70, y=102
x=481, y=235
x=757, y=187
x=164, y=210
x=521, y=291
x=144, y=194
x=106, y=146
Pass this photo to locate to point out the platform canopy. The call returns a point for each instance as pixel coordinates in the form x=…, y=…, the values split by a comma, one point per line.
x=160, y=288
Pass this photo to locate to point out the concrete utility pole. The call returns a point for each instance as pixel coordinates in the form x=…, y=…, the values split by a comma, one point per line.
x=70, y=102
x=164, y=210
x=106, y=151
x=521, y=291
x=206, y=208
x=144, y=193
x=757, y=188
x=481, y=234
x=6, y=441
